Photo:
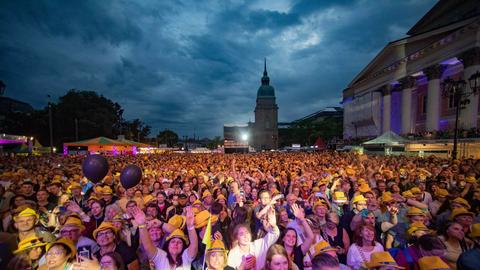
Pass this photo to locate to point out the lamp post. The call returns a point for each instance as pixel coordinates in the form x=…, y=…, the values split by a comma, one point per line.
x=456, y=90
x=50, y=124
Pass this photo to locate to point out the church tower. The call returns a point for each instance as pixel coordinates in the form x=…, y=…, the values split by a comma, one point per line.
x=266, y=116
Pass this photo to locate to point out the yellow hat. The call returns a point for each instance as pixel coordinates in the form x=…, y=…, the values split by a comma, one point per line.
x=407, y=194
x=387, y=197
x=206, y=193
x=177, y=233
x=432, y=263
x=359, y=198
x=28, y=243
x=322, y=247
x=475, y=230
x=320, y=203
x=93, y=197
x=350, y=171
x=98, y=189
x=441, y=192
x=361, y=181
x=197, y=202
x=217, y=246
x=73, y=222
x=415, y=190
x=74, y=185
x=323, y=181
x=67, y=243
x=471, y=180
x=339, y=197
x=201, y=219
x=28, y=212
x=177, y=221
x=107, y=190
x=364, y=188
x=382, y=258
x=417, y=226
x=460, y=212
x=414, y=211
x=221, y=197
x=315, y=189
x=463, y=202
x=104, y=226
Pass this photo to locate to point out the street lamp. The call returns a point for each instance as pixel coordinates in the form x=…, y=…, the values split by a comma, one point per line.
x=456, y=90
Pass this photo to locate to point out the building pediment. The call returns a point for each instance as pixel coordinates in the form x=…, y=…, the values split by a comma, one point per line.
x=446, y=12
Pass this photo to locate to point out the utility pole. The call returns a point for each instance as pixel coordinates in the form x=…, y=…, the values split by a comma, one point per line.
x=50, y=123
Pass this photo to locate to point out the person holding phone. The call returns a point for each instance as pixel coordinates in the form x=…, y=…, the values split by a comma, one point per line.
x=245, y=254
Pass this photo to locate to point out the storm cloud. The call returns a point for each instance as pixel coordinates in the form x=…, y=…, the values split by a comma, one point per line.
x=195, y=65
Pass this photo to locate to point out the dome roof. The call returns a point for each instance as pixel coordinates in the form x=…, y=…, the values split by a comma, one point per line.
x=266, y=91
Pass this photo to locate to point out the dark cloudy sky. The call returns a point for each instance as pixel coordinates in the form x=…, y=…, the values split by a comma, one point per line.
x=188, y=65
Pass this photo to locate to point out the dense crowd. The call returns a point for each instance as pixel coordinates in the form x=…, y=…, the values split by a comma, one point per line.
x=270, y=211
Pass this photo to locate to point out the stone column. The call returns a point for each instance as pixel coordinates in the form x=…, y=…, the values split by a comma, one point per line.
x=387, y=108
x=408, y=84
x=471, y=64
x=433, y=73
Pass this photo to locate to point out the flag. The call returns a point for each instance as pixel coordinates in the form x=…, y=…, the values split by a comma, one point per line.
x=207, y=237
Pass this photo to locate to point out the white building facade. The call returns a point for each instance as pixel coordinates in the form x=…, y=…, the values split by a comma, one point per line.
x=401, y=90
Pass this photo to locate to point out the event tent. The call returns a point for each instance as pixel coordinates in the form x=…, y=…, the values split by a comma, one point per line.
x=388, y=138
x=103, y=145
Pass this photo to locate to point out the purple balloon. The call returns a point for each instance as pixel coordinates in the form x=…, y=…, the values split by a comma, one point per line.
x=130, y=176
x=95, y=168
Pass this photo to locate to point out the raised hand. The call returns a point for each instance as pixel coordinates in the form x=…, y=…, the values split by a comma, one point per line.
x=190, y=216
x=271, y=217
x=139, y=216
x=298, y=212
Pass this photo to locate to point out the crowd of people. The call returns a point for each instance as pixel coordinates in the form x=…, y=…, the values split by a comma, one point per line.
x=323, y=210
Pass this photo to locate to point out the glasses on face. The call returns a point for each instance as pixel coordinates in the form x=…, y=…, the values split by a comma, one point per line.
x=55, y=253
x=106, y=233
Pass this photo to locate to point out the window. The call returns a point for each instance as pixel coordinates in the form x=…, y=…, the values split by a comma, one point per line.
x=452, y=99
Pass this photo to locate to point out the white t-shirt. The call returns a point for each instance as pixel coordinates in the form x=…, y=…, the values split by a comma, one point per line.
x=356, y=258
x=258, y=248
x=160, y=260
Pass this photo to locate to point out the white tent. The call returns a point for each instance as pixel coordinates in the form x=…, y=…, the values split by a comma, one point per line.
x=388, y=138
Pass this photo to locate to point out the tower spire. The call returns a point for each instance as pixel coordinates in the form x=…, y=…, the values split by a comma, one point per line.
x=265, y=66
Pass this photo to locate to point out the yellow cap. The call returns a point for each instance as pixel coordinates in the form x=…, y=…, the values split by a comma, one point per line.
x=177, y=234
x=359, y=198
x=28, y=243
x=471, y=180
x=107, y=190
x=339, y=197
x=177, y=221
x=104, y=226
x=350, y=171
x=382, y=258
x=322, y=247
x=28, y=212
x=320, y=203
x=432, y=263
x=221, y=197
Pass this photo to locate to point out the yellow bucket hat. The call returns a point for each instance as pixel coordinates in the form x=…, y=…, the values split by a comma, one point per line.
x=463, y=202
x=201, y=219
x=73, y=222
x=177, y=221
x=358, y=198
x=322, y=247
x=67, y=243
x=475, y=230
x=441, y=192
x=177, y=234
x=432, y=263
x=415, y=191
x=417, y=226
x=387, y=197
x=461, y=212
x=206, y=193
x=217, y=246
x=407, y=194
x=382, y=258
x=28, y=212
x=104, y=226
x=414, y=211
x=364, y=188
x=29, y=243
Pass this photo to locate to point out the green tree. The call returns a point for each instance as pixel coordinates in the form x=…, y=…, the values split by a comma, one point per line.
x=168, y=137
